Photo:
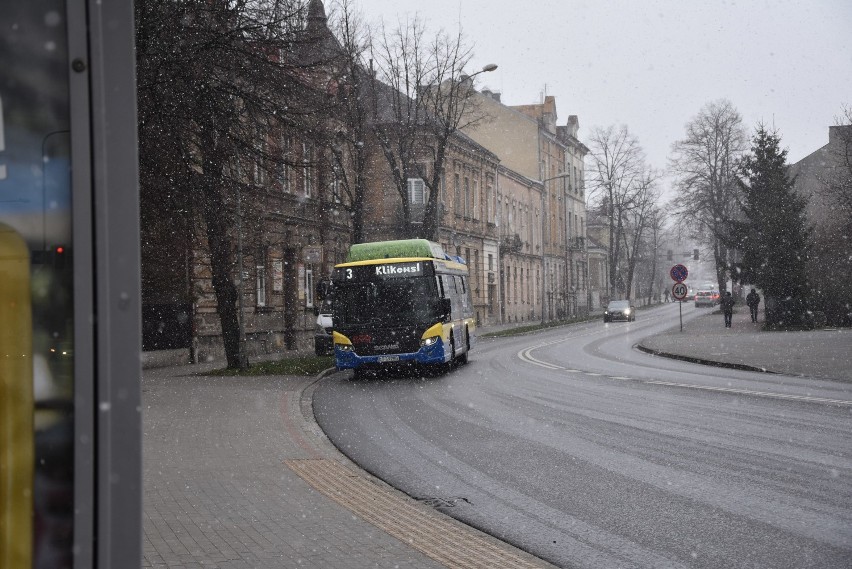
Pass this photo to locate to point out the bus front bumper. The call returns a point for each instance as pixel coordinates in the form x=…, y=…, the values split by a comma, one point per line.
x=349, y=359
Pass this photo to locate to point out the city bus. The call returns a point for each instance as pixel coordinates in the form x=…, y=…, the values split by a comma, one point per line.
x=399, y=303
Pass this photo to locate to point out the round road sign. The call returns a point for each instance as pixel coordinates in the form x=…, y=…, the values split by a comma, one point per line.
x=679, y=291
x=678, y=273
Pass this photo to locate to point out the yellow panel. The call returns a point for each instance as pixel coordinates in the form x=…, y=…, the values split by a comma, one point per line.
x=16, y=402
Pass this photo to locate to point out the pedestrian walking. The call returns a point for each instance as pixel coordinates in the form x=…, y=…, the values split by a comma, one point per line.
x=667, y=295
x=728, y=308
x=753, y=300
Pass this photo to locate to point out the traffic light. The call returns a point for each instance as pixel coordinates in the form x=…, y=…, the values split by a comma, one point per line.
x=695, y=254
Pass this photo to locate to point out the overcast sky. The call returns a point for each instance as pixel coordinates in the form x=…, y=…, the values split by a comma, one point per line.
x=652, y=65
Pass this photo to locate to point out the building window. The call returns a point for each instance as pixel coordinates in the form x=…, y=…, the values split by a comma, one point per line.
x=515, y=285
x=416, y=191
x=490, y=262
x=259, y=171
x=260, y=271
x=476, y=271
x=474, y=202
x=285, y=173
x=307, y=168
x=457, y=203
x=467, y=206
x=335, y=184
x=309, y=288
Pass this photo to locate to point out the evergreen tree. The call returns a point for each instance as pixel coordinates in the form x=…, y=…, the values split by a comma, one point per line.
x=773, y=236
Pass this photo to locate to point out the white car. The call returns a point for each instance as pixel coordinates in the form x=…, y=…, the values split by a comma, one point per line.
x=323, y=343
x=707, y=298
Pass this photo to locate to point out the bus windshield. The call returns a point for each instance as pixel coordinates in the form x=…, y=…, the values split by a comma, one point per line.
x=387, y=302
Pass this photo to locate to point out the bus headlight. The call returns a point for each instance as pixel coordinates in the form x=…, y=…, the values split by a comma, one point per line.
x=430, y=341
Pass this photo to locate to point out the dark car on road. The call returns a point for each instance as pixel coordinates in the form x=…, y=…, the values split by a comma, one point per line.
x=619, y=310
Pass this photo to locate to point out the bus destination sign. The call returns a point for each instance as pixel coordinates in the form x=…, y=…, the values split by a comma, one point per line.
x=367, y=273
x=399, y=270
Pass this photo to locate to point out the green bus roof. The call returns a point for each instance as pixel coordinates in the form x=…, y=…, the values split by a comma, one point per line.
x=395, y=249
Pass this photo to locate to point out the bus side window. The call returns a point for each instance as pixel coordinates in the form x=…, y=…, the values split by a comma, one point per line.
x=449, y=286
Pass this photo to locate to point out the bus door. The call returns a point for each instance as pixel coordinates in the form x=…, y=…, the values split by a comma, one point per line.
x=452, y=288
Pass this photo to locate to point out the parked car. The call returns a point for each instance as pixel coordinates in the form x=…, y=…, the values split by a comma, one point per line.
x=707, y=298
x=619, y=310
x=323, y=343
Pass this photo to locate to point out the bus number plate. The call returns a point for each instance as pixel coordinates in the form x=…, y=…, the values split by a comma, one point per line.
x=383, y=359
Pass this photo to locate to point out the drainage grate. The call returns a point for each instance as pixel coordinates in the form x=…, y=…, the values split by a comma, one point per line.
x=443, y=502
x=447, y=542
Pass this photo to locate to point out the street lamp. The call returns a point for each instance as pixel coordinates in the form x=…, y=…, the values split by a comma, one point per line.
x=485, y=69
x=543, y=225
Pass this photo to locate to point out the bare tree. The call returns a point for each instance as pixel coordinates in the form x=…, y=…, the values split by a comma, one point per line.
x=351, y=150
x=614, y=179
x=421, y=98
x=704, y=163
x=215, y=78
x=653, y=238
x=639, y=215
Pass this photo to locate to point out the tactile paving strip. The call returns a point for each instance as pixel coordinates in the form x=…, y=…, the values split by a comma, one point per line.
x=448, y=543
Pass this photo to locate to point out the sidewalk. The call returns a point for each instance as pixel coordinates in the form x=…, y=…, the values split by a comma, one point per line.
x=237, y=475
x=825, y=354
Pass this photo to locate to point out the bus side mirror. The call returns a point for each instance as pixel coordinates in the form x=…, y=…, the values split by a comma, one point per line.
x=446, y=306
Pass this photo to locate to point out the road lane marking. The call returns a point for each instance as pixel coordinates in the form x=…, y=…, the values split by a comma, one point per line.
x=525, y=355
x=749, y=392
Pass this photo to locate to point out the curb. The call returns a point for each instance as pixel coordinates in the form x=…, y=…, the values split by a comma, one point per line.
x=694, y=360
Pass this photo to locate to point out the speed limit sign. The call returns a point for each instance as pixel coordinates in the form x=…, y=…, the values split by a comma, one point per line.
x=679, y=291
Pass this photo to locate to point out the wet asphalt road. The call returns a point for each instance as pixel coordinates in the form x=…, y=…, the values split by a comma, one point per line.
x=587, y=453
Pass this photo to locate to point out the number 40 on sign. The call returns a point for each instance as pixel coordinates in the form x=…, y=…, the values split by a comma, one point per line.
x=679, y=291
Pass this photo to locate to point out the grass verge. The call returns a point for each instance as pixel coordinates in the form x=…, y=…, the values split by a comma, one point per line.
x=305, y=365
x=517, y=331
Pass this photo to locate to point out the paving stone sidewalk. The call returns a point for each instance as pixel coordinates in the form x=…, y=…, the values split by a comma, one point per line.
x=219, y=490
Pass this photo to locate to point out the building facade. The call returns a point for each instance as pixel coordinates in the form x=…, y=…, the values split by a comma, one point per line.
x=824, y=179
x=531, y=145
